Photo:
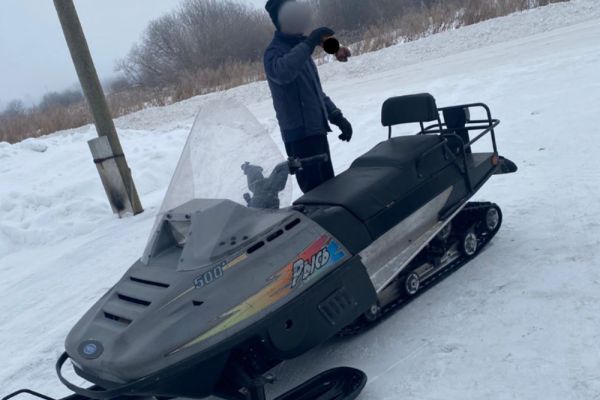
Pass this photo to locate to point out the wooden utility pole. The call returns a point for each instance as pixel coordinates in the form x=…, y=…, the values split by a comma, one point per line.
x=106, y=149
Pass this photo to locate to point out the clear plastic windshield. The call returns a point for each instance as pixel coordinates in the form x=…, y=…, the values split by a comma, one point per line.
x=224, y=137
x=229, y=155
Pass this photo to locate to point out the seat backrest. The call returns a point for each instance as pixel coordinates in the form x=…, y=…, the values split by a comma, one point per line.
x=409, y=109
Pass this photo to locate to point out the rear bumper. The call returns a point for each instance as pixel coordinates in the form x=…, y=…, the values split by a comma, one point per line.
x=506, y=166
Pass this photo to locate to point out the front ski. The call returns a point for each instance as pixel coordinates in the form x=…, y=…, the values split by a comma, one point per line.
x=336, y=384
x=42, y=396
x=342, y=383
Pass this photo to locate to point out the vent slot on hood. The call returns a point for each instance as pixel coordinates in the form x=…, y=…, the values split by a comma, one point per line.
x=292, y=224
x=134, y=300
x=274, y=235
x=116, y=318
x=255, y=247
x=149, y=283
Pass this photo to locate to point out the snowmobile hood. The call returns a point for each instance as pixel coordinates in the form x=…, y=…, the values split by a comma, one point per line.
x=191, y=295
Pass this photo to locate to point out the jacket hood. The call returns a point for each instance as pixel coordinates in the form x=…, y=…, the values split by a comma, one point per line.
x=272, y=8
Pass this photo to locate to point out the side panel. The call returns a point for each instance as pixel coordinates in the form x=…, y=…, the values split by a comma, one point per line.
x=387, y=255
x=330, y=305
x=413, y=200
x=342, y=225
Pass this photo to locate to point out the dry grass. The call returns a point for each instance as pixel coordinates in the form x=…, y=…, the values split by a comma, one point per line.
x=441, y=17
x=444, y=15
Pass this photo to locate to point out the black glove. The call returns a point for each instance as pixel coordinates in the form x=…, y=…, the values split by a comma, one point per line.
x=344, y=125
x=317, y=36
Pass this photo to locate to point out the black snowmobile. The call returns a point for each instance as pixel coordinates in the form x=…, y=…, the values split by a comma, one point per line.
x=233, y=284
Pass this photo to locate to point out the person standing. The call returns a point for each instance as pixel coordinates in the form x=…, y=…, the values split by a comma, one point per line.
x=303, y=110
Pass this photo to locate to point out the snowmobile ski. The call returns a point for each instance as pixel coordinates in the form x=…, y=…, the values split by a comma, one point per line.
x=341, y=383
x=336, y=384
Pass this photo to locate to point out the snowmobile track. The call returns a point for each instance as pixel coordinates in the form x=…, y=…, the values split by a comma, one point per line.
x=387, y=311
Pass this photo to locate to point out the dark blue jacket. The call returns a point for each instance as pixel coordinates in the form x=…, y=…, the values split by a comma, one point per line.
x=302, y=108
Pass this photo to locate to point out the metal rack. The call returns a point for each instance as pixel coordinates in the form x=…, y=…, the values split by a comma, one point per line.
x=482, y=126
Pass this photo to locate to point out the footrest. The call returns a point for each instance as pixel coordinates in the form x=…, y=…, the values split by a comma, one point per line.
x=336, y=384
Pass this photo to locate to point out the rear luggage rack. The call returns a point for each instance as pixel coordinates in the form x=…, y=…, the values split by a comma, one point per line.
x=456, y=125
x=457, y=118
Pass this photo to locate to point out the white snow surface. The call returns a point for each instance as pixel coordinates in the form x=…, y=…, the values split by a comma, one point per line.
x=522, y=321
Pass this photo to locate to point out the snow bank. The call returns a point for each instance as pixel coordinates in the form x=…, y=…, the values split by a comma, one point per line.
x=522, y=321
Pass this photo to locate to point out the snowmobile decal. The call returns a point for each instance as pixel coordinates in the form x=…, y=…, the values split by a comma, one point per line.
x=210, y=276
x=316, y=258
x=235, y=261
x=204, y=280
x=304, y=268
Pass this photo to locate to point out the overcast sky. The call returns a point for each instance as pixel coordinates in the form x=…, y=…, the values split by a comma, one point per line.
x=33, y=55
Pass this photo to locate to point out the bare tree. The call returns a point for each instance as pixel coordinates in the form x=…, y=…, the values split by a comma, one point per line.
x=201, y=34
x=65, y=98
x=208, y=45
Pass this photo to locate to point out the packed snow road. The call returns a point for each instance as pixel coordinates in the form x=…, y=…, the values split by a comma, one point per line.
x=522, y=321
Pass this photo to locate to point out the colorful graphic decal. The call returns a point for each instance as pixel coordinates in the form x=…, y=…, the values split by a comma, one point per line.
x=306, y=266
x=319, y=256
x=235, y=261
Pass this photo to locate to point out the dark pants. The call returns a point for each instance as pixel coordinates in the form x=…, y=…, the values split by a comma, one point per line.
x=314, y=175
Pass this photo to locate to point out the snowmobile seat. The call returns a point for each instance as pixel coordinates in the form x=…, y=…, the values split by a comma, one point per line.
x=378, y=197
x=388, y=182
x=382, y=186
x=363, y=191
x=401, y=152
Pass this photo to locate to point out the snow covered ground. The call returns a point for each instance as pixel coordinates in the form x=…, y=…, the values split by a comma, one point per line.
x=522, y=321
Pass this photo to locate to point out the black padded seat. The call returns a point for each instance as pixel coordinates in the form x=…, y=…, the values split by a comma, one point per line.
x=363, y=191
x=399, y=152
x=381, y=177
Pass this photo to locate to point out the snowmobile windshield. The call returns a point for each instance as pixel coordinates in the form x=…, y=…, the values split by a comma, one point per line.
x=226, y=146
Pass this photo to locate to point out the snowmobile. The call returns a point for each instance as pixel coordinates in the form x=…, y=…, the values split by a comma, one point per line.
x=236, y=278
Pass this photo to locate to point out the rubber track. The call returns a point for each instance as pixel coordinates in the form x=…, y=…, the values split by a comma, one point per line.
x=401, y=302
